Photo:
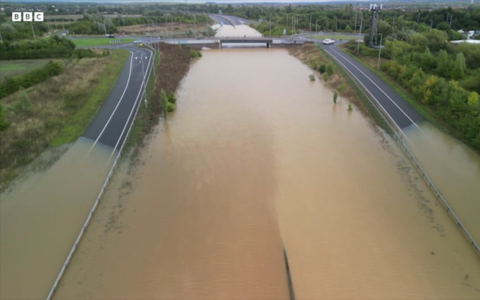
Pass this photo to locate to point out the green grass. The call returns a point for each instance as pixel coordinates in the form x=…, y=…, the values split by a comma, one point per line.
x=19, y=67
x=331, y=36
x=91, y=42
x=422, y=110
x=82, y=118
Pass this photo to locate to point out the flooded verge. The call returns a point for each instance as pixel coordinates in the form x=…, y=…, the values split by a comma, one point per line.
x=257, y=157
x=453, y=167
x=41, y=217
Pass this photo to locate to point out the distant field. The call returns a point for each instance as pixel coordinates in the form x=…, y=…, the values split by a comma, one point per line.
x=18, y=67
x=90, y=42
x=336, y=37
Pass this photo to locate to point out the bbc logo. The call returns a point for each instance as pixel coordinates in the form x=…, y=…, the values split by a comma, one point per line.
x=27, y=16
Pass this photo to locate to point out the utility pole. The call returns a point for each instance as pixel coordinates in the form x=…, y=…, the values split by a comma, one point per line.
x=451, y=17
x=316, y=24
x=33, y=31
x=418, y=17
x=431, y=24
x=270, y=24
x=379, y=52
x=195, y=24
x=355, y=27
x=359, y=35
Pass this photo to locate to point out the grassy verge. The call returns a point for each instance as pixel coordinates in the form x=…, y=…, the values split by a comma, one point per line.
x=79, y=122
x=19, y=67
x=315, y=56
x=55, y=111
x=90, y=42
x=333, y=36
x=421, y=109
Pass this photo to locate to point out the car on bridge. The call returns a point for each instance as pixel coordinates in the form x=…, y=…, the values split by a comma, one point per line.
x=328, y=41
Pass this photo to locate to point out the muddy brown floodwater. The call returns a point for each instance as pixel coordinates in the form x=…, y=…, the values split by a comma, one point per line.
x=255, y=157
x=41, y=218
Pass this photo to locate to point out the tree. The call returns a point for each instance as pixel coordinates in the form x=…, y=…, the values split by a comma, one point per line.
x=3, y=122
x=164, y=103
x=472, y=99
x=348, y=29
x=444, y=64
x=427, y=61
x=334, y=25
x=458, y=71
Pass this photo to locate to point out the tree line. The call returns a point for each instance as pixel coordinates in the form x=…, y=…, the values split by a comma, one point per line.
x=441, y=76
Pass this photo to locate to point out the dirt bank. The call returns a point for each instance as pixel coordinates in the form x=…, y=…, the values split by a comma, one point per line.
x=174, y=64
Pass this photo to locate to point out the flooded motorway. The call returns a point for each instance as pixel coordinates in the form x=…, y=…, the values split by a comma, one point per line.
x=42, y=216
x=257, y=158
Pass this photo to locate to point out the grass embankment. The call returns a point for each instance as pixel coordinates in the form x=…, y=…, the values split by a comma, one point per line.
x=333, y=36
x=371, y=64
x=57, y=111
x=314, y=57
x=174, y=64
x=91, y=42
x=18, y=67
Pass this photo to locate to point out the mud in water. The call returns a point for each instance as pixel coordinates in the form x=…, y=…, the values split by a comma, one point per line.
x=257, y=157
x=41, y=218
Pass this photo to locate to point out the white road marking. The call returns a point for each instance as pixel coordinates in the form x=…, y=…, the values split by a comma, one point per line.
x=133, y=108
x=121, y=98
x=377, y=88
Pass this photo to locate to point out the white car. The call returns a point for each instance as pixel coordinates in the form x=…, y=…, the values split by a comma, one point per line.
x=328, y=41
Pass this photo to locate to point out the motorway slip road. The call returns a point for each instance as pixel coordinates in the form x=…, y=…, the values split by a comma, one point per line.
x=398, y=108
x=111, y=123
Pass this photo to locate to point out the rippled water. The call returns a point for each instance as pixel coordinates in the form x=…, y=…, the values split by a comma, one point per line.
x=41, y=218
x=257, y=157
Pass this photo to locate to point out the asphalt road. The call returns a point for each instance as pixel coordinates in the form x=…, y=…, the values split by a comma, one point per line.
x=110, y=125
x=400, y=110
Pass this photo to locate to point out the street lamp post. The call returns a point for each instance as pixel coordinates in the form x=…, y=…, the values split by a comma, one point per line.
x=316, y=30
x=431, y=24
x=359, y=35
x=379, y=52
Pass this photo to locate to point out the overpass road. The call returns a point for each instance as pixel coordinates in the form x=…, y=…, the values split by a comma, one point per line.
x=398, y=108
x=111, y=123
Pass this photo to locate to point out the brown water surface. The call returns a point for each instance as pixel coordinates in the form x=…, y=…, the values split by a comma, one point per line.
x=254, y=157
x=40, y=219
x=454, y=168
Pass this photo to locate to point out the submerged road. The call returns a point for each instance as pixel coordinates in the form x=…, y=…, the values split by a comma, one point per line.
x=111, y=123
x=398, y=108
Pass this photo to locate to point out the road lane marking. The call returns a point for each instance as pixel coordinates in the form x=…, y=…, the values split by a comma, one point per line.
x=121, y=98
x=133, y=107
x=378, y=88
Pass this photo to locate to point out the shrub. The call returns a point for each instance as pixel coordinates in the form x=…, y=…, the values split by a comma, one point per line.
x=335, y=96
x=3, y=123
x=325, y=76
x=350, y=107
x=172, y=99
x=341, y=87
x=322, y=69
x=329, y=70
x=194, y=53
x=312, y=78
x=170, y=107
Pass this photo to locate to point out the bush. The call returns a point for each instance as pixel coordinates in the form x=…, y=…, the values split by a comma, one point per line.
x=194, y=53
x=3, y=123
x=172, y=99
x=329, y=70
x=322, y=69
x=170, y=107
x=350, y=107
x=11, y=84
x=312, y=78
x=335, y=96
